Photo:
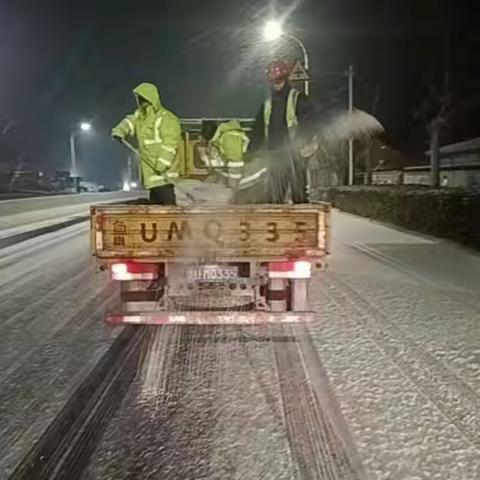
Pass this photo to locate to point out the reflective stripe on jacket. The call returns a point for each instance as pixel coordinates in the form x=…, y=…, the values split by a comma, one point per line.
x=231, y=142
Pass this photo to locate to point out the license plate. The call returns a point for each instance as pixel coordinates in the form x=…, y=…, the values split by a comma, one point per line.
x=213, y=273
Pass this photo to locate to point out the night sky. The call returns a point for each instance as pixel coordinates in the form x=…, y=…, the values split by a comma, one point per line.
x=63, y=61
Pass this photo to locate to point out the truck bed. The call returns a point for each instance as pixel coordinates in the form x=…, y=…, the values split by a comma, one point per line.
x=160, y=233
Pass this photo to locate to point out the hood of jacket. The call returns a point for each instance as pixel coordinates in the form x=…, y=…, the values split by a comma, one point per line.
x=149, y=92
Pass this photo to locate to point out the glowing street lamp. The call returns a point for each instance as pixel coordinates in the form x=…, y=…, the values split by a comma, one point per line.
x=273, y=30
x=83, y=127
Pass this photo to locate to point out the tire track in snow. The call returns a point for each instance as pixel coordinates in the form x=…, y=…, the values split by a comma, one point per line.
x=318, y=436
x=458, y=402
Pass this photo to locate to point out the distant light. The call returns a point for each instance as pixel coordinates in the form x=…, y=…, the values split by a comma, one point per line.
x=126, y=187
x=85, y=126
x=273, y=30
x=134, y=184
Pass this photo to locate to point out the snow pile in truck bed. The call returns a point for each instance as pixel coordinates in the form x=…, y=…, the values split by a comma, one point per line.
x=203, y=192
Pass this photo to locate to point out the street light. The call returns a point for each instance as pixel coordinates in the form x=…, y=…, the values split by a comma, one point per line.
x=274, y=30
x=84, y=127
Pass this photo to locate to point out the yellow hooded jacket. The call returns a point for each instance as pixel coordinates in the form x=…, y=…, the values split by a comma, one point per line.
x=158, y=133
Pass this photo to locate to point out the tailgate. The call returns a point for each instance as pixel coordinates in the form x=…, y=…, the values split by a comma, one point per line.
x=253, y=231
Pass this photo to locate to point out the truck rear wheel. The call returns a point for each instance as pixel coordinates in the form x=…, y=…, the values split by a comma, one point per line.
x=277, y=294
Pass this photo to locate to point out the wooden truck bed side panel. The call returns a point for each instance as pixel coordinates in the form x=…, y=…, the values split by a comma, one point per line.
x=222, y=232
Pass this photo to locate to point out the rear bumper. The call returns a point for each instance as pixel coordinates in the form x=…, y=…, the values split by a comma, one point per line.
x=210, y=318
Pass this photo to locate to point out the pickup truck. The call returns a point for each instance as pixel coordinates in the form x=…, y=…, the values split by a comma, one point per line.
x=211, y=264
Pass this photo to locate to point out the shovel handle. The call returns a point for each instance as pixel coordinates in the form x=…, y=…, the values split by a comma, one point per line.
x=137, y=153
x=130, y=147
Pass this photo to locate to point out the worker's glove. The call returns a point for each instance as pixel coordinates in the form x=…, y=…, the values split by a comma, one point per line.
x=117, y=137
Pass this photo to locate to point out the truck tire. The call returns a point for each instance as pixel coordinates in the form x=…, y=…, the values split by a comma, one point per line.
x=277, y=295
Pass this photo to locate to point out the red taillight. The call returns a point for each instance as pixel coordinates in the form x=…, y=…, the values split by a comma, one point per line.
x=134, y=271
x=299, y=269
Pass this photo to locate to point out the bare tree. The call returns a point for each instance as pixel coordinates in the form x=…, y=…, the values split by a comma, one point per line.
x=436, y=110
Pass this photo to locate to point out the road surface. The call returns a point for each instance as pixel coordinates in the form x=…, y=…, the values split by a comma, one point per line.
x=397, y=334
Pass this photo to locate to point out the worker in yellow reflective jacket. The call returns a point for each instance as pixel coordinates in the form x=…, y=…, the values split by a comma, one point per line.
x=158, y=134
x=224, y=148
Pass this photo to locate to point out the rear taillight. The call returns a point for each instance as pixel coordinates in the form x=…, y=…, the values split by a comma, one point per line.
x=295, y=270
x=134, y=271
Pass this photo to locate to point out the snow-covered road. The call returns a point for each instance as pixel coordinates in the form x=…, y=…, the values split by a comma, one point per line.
x=51, y=333
x=397, y=332
x=26, y=214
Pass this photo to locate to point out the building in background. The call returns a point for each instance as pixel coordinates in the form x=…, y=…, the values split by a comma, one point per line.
x=459, y=167
x=389, y=165
x=23, y=179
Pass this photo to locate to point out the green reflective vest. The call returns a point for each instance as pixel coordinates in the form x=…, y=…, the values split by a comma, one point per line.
x=291, y=112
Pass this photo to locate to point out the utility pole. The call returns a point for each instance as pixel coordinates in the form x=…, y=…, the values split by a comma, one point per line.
x=82, y=127
x=129, y=170
x=73, y=156
x=350, y=141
